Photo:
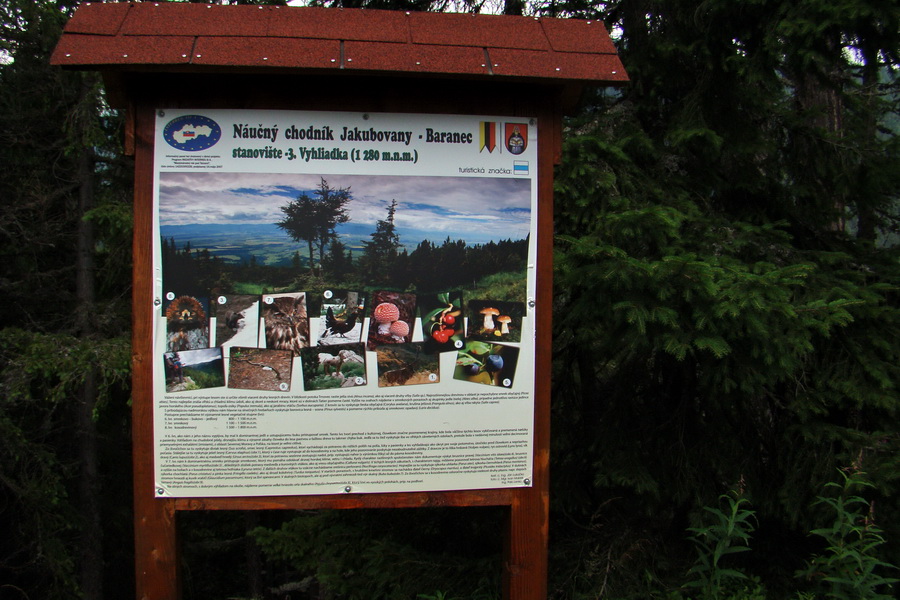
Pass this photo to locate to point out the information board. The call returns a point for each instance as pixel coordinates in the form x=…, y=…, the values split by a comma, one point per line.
x=344, y=302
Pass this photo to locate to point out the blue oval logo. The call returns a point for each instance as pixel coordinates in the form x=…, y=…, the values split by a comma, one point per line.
x=192, y=133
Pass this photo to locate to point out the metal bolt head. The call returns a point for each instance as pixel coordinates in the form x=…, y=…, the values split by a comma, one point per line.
x=348, y=489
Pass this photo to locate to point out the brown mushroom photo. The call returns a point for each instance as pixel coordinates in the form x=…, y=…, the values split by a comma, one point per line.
x=495, y=321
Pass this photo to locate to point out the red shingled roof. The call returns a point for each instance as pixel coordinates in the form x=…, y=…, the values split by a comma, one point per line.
x=197, y=37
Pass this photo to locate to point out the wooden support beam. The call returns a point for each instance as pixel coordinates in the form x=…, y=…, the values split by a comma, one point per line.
x=157, y=573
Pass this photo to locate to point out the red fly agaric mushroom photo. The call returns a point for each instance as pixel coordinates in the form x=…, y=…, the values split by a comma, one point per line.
x=385, y=314
x=391, y=318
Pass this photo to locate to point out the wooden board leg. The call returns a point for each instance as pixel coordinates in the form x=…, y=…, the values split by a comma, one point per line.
x=157, y=568
x=525, y=552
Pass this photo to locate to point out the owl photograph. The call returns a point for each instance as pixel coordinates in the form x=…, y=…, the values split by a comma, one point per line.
x=187, y=326
x=286, y=321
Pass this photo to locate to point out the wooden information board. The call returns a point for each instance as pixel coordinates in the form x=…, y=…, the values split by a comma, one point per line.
x=292, y=390
x=158, y=500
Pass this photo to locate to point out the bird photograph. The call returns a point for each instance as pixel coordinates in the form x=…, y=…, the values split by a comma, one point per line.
x=342, y=320
x=187, y=327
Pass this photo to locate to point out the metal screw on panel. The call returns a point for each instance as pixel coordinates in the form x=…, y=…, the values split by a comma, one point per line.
x=157, y=301
x=531, y=304
x=348, y=489
x=532, y=122
x=526, y=481
x=160, y=491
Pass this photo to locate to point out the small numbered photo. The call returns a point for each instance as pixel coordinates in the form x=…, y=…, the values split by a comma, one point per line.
x=286, y=321
x=407, y=364
x=187, y=322
x=488, y=364
x=392, y=318
x=194, y=369
x=334, y=366
x=260, y=369
x=237, y=320
x=494, y=321
x=341, y=318
x=443, y=324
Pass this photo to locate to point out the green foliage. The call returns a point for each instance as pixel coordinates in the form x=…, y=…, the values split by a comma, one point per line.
x=714, y=318
x=728, y=533
x=505, y=287
x=850, y=568
x=39, y=375
x=202, y=379
x=391, y=554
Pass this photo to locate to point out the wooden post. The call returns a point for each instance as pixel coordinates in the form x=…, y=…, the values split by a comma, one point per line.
x=157, y=573
x=527, y=535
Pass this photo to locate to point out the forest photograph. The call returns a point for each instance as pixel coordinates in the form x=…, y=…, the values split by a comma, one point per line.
x=726, y=314
x=243, y=232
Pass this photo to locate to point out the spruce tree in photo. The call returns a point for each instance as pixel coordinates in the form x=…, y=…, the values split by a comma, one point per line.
x=313, y=219
x=380, y=254
x=332, y=212
x=300, y=223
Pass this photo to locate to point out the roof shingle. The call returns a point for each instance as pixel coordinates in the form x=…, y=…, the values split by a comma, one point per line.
x=135, y=36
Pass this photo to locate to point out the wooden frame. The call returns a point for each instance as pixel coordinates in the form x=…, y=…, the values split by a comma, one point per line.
x=156, y=539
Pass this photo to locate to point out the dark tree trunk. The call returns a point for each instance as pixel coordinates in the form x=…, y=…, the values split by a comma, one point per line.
x=91, y=550
x=866, y=200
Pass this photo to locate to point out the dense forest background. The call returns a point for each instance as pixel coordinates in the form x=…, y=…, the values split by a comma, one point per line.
x=726, y=330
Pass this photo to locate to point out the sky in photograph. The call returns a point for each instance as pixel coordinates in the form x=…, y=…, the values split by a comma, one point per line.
x=471, y=208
